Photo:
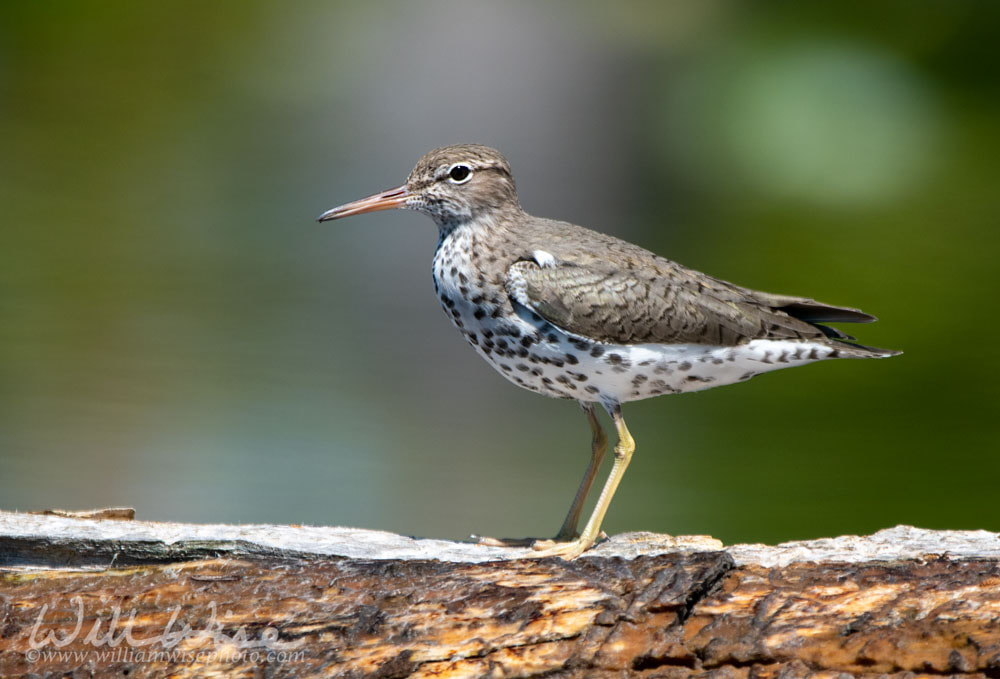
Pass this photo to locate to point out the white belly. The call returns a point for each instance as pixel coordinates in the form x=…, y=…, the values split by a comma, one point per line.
x=614, y=373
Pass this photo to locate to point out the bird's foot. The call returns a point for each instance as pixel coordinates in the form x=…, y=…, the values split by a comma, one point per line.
x=540, y=546
x=566, y=550
x=503, y=542
x=569, y=549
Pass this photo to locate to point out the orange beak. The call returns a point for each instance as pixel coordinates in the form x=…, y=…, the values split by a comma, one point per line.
x=387, y=200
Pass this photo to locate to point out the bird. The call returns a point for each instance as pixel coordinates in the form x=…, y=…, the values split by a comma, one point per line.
x=571, y=313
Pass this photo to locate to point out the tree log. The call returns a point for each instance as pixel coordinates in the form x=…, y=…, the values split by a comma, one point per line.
x=109, y=597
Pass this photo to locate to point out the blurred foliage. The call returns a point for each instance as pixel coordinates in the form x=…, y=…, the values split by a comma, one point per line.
x=178, y=335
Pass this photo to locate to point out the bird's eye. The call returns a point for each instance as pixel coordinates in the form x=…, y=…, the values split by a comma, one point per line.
x=459, y=174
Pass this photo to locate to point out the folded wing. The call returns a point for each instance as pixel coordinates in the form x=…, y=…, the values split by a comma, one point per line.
x=670, y=304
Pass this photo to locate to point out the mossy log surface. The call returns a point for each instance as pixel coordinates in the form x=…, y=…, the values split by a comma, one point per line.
x=84, y=597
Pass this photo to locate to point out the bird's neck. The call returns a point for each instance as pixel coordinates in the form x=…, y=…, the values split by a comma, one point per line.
x=483, y=223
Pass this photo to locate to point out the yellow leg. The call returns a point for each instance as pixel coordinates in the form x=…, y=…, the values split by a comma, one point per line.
x=598, y=446
x=623, y=455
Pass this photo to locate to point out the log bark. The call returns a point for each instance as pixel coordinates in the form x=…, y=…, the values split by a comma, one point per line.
x=109, y=597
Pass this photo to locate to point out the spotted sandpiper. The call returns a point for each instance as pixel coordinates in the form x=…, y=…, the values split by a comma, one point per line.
x=571, y=313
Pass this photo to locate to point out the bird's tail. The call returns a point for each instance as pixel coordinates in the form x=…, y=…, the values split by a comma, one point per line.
x=853, y=350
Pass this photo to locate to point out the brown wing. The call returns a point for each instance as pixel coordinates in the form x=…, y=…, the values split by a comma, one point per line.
x=670, y=304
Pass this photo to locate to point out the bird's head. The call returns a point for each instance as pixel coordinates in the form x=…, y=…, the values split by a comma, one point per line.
x=451, y=185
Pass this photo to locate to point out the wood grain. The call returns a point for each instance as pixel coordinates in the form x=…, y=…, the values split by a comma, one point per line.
x=889, y=604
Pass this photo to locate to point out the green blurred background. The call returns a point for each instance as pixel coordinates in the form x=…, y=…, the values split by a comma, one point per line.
x=177, y=333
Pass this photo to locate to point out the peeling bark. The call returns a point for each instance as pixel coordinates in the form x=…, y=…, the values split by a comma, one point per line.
x=901, y=602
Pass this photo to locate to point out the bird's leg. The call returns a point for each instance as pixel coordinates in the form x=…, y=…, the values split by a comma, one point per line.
x=598, y=446
x=623, y=455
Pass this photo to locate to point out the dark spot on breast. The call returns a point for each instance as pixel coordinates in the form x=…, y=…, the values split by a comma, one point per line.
x=506, y=368
x=522, y=352
x=454, y=270
x=597, y=350
x=546, y=380
x=614, y=359
x=571, y=359
x=551, y=337
x=523, y=368
x=487, y=334
x=479, y=313
x=835, y=353
x=592, y=389
x=528, y=340
x=502, y=343
x=686, y=365
x=638, y=379
x=463, y=278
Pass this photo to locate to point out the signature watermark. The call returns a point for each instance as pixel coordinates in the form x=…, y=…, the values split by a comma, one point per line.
x=112, y=639
x=133, y=656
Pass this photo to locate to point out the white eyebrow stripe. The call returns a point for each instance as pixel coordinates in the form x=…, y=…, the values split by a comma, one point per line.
x=544, y=259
